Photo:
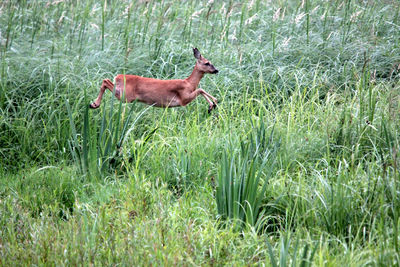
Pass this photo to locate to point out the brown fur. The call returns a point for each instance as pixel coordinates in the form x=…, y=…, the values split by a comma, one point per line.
x=161, y=93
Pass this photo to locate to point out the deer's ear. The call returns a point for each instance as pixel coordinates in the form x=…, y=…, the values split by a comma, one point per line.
x=196, y=53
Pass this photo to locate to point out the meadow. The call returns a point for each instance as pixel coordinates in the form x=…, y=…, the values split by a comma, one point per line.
x=297, y=166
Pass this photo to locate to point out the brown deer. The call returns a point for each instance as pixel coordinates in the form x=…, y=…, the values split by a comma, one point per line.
x=161, y=93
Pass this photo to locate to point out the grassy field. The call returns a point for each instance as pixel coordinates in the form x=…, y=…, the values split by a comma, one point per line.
x=298, y=165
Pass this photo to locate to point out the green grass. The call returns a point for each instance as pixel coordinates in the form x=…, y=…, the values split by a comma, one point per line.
x=298, y=165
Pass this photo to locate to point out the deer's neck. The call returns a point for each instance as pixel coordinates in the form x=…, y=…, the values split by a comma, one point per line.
x=195, y=77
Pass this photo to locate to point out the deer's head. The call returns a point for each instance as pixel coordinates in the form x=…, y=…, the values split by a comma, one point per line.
x=203, y=64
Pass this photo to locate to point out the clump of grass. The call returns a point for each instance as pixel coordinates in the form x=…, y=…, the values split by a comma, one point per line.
x=242, y=173
x=96, y=156
x=47, y=191
x=285, y=257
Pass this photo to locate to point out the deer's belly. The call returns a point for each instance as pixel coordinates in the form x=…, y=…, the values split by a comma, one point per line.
x=160, y=100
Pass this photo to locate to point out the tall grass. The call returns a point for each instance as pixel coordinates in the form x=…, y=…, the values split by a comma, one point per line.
x=130, y=184
x=238, y=195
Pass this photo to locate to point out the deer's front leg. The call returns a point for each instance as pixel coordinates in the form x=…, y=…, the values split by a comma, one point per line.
x=210, y=96
x=107, y=84
x=186, y=98
x=207, y=96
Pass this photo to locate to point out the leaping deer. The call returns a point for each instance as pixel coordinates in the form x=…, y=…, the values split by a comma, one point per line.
x=161, y=93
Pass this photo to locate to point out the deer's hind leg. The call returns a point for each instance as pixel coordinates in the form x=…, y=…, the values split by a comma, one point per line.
x=107, y=84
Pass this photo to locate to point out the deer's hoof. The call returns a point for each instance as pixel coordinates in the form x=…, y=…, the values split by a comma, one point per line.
x=93, y=106
x=211, y=108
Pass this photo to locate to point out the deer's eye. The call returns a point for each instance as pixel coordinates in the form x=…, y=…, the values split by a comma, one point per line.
x=207, y=64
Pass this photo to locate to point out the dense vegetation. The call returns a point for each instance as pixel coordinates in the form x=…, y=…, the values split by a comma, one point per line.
x=297, y=165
